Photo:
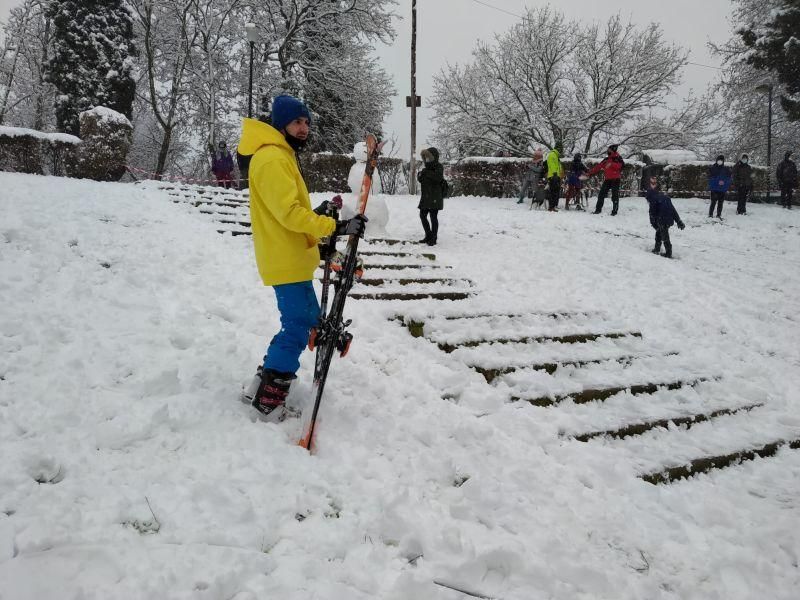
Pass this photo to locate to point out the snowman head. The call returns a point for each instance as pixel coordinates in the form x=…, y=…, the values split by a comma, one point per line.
x=360, y=152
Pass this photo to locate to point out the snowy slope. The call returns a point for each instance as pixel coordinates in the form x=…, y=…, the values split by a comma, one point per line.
x=130, y=471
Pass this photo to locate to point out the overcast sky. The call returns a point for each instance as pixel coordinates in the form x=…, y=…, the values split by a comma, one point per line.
x=448, y=29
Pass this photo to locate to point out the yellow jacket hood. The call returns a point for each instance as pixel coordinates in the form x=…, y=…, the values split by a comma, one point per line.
x=256, y=134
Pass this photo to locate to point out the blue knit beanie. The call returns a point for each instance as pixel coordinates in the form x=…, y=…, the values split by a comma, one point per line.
x=286, y=109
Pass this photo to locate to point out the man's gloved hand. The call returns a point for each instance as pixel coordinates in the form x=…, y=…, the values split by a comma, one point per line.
x=681, y=226
x=354, y=226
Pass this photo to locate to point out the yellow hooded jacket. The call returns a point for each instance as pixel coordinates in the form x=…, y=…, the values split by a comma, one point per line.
x=285, y=229
x=554, y=166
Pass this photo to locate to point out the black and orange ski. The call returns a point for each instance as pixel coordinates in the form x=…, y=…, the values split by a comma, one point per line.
x=331, y=333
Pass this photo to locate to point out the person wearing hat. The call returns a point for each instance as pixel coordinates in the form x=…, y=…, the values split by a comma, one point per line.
x=611, y=166
x=533, y=180
x=574, y=182
x=555, y=173
x=222, y=165
x=787, y=179
x=662, y=216
x=743, y=182
x=286, y=234
x=432, y=193
x=719, y=182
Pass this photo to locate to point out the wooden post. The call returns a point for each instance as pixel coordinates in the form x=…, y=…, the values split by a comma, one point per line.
x=412, y=179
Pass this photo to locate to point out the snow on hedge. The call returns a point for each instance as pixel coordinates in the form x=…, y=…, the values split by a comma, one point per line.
x=106, y=114
x=63, y=138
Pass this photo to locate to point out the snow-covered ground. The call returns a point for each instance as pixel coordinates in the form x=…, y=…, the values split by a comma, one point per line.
x=129, y=470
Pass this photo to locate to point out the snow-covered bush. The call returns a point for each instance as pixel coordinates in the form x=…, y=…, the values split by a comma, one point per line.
x=326, y=172
x=29, y=151
x=106, y=136
x=689, y=179
x=502, y=177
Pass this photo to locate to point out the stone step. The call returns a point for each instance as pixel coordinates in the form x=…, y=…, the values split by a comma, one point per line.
x=551, y=367
x=710, y=463
x=600, y=394
x=410, y=296
x=575, y=338
x=640, y=428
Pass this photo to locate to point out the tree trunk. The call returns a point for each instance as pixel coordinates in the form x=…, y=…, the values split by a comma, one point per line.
x=163, y=152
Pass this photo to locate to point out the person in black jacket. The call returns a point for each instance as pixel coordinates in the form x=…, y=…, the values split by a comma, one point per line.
x=787, y=179
x=432, y=181
x=743, y=182
x=662, y=216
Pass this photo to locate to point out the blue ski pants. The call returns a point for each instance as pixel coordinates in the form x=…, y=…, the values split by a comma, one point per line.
x=299, y=308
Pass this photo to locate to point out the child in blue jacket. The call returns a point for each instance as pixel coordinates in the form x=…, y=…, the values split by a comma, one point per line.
x=662, y=216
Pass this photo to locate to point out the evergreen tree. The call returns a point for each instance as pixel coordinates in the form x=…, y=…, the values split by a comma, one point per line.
x=91, y=62
x=775, y=46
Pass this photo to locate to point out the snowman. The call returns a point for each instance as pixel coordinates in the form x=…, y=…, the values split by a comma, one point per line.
x=377, y=210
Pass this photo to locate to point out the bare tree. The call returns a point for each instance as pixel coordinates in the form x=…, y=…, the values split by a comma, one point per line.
x=559, y=84
x=167, y=36
x=745, y=118
x=621, y=71
x=26, y=98
x=515, y=93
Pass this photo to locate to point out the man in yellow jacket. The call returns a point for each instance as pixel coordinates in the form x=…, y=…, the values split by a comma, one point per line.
x=286, y=233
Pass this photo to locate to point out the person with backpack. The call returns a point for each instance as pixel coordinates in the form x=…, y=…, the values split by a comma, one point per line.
x=719, y=182
x=222, y=165
x=555, y=172
x=611, y=166
x=743, y=182
x=662, y=216
x=787, y=179
x=533, y=180
x=433, y=187
x=574, y=182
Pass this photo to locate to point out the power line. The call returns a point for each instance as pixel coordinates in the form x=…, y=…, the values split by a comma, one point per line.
x=508, y=12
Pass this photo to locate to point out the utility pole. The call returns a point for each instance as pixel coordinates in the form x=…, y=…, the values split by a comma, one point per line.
x=412, y=101
x=769, y=144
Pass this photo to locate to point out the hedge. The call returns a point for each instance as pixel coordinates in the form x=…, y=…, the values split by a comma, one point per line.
x=29, y=151
x=502, y=177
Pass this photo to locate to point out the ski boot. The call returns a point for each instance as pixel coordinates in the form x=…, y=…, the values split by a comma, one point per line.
x=270, y=398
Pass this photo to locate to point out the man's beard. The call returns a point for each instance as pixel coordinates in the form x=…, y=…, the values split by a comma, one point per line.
x=296, y=143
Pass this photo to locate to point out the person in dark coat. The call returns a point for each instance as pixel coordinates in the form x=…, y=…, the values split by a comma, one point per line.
x=662, y=216
x=533, y=180
x=743, y=182
x=574, y=182
x=719, y=182
x=432, y=181
x=787, y=179
x=222, y=165
x=611, y=166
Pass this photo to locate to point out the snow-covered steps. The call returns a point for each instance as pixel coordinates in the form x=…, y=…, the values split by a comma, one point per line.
x=705, y=464
x=377, y=253
x=375, y=281
x=600, y=394
x=665, y=423
x=409, y=296
x=566, y=338
x=403, y=266
x=490, y=374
